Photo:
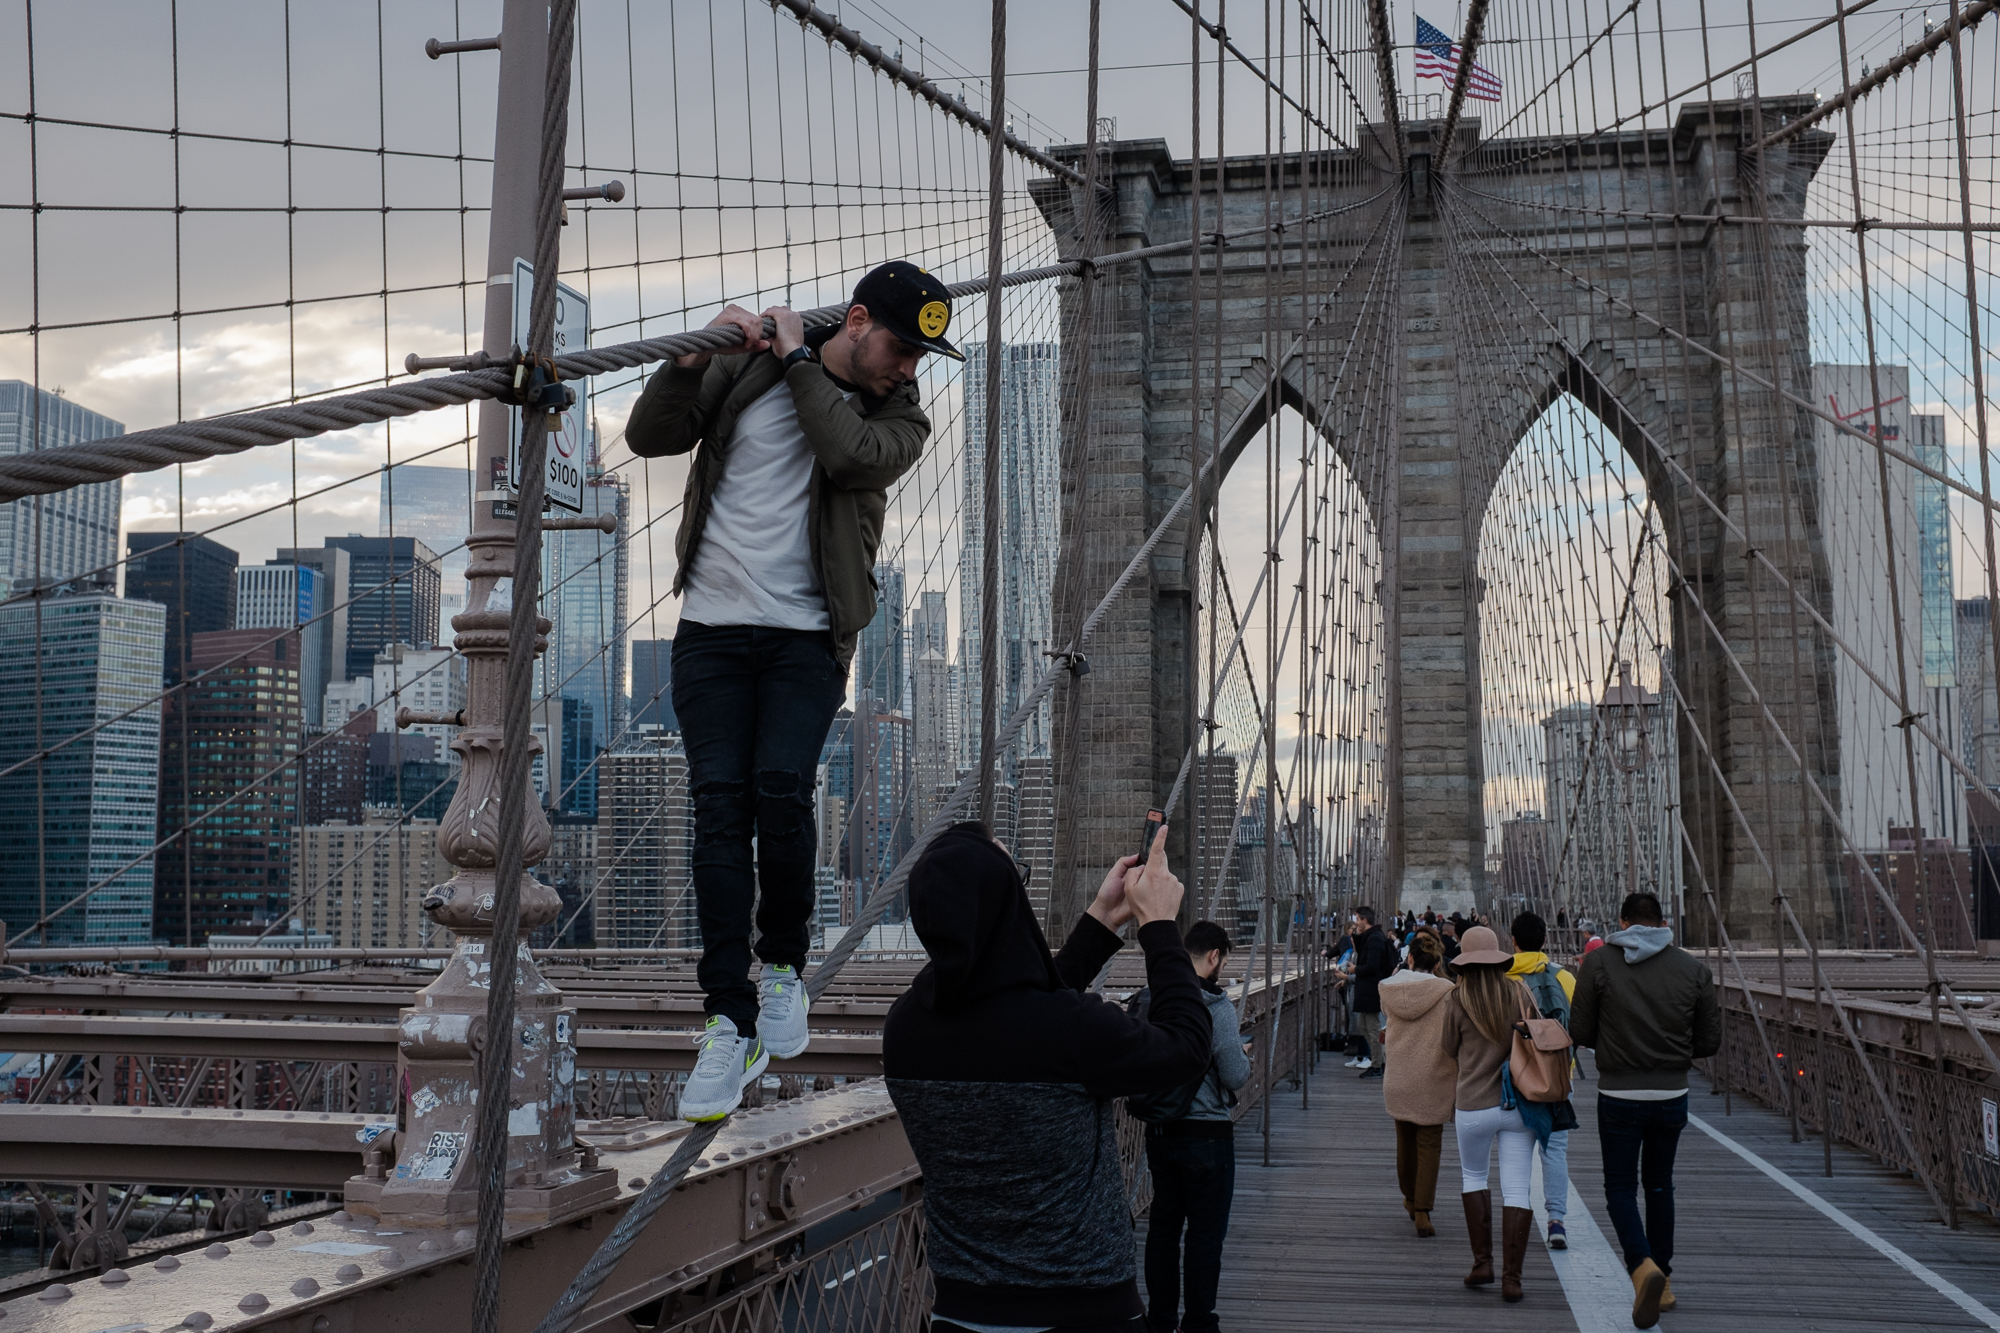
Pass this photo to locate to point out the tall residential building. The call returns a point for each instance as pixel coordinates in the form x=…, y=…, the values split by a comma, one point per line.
x=69, y=534
x=653, y=685
x=227, y=778
x=645, y=847
x=1874, y=781
x=930, y=625
x=1524, y=866
x=393, y=596
x=363, y=884
x=285, y=596
x=1612, y=785
x=584, y=591
x=1978, y=692
x=1035, y=827
x=878, y=657
x=336, y=568
x=570, y=869
x=432, y=504
x=1030, y=449
x=407, y=773
x=334, y=772
x=424, y=680
x=193, y=577
x=576, y=796
x=933, y=756
x=879, y=831
x=84, y=815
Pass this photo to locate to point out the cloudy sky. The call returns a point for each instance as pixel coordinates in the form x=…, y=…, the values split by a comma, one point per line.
x=320, y=213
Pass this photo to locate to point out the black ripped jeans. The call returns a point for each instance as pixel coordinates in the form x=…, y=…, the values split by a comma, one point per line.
x=754, y=707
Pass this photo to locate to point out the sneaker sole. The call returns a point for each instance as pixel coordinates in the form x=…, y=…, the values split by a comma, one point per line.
x=703, y=1114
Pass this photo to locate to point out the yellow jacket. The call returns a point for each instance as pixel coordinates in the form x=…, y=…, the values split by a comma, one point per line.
x=1526, y=962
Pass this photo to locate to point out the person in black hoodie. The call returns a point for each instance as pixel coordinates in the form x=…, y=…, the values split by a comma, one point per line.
x=1004, y=1071
x=1375, y=959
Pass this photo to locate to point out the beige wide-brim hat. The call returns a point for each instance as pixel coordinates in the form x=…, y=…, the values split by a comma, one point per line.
x=1480, y=945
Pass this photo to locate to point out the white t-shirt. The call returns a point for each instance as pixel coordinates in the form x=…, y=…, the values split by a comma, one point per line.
x=754, y=565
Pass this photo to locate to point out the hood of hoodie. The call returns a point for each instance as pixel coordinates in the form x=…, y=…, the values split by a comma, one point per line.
x=1641, y=942
x=972, y=914
x=1408, y=996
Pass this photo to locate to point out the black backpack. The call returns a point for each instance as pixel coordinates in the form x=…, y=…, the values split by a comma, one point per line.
x=1157, y=1108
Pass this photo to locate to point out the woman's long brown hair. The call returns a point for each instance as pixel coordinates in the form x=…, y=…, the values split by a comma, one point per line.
x=1491, y=999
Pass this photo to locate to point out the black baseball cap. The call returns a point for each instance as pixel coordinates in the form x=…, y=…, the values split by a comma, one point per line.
x=911, y=303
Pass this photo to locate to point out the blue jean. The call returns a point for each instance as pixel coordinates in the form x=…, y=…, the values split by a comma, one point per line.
x=1639, y=1140
x=1194, y=1180
x=754, y=707
x=1555, y=1174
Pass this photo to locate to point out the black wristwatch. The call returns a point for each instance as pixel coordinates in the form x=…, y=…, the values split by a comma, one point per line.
x=793, y=357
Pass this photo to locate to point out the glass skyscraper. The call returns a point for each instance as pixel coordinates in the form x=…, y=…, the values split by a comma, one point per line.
x=287, y=596
x=1030, y=494
x=432, y=504
x=75, y=531
x=393, y=591
x=584, y=581
x=83, y=817
x=878, y=659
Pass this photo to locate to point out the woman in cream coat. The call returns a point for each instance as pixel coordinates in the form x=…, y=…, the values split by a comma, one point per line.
x=1421, y=1077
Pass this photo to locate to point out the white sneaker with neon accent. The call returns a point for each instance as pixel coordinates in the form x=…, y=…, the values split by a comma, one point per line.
x=727, y=1065
x=781, y=1011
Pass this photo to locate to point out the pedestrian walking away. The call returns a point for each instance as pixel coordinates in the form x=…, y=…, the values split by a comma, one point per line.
x=1004, y=1069
x=1649, y=1010
x=1191, y=1155
x=1375, y=958
x=1422, y=1081
x=1478, y=1032
x=797, y=440
x=1552, y=988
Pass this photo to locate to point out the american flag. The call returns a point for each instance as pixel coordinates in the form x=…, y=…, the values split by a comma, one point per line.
x=1438, y=57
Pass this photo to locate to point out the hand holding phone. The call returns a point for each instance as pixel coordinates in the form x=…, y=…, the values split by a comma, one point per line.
x=1154, y=820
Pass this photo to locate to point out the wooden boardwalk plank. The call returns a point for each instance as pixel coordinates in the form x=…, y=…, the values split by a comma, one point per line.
x=1319, y=1240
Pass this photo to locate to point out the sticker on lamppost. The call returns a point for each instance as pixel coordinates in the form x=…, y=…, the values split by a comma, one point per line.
x=566, y=438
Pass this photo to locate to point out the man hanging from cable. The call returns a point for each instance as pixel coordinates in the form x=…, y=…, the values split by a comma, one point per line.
x=797, y=439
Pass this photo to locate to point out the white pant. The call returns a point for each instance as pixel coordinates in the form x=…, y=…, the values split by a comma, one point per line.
x=1476, y=1132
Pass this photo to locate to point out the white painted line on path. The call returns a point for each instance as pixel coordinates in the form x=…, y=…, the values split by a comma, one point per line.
x=1929, y=1277
x=1593, y=1276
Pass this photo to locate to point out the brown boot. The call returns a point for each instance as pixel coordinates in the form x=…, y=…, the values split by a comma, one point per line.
x=1479, y=1227
x=1515, y=1223
x=1426, y=1230
x=1667, y=1301
x=1648, y=1282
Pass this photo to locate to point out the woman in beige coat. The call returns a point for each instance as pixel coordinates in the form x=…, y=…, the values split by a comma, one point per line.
x=1419, y=1082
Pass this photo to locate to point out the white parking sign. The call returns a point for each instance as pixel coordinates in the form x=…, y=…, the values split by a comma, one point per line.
x=566, y=445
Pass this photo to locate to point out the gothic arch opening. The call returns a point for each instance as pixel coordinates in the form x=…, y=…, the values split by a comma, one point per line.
x=1578, y=743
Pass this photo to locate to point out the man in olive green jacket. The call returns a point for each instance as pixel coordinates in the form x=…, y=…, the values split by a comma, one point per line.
x=796, y=442
x=1649, y=1011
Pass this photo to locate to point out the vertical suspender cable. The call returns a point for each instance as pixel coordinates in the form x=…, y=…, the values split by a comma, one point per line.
x=989, y=571
x=490, y=1148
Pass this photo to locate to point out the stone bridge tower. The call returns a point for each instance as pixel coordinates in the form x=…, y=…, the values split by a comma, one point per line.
x=1503, y=290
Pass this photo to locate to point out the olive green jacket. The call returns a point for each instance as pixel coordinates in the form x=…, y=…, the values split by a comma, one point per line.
x=860, y=446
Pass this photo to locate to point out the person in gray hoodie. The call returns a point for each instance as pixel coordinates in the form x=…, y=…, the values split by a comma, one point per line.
x=1649, y=1011
x=1193, y=1162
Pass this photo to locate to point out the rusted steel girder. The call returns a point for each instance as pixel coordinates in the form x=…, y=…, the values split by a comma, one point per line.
x=857, y=1055
x=773, y=1172
x=226, y=995
x=297, y=1150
